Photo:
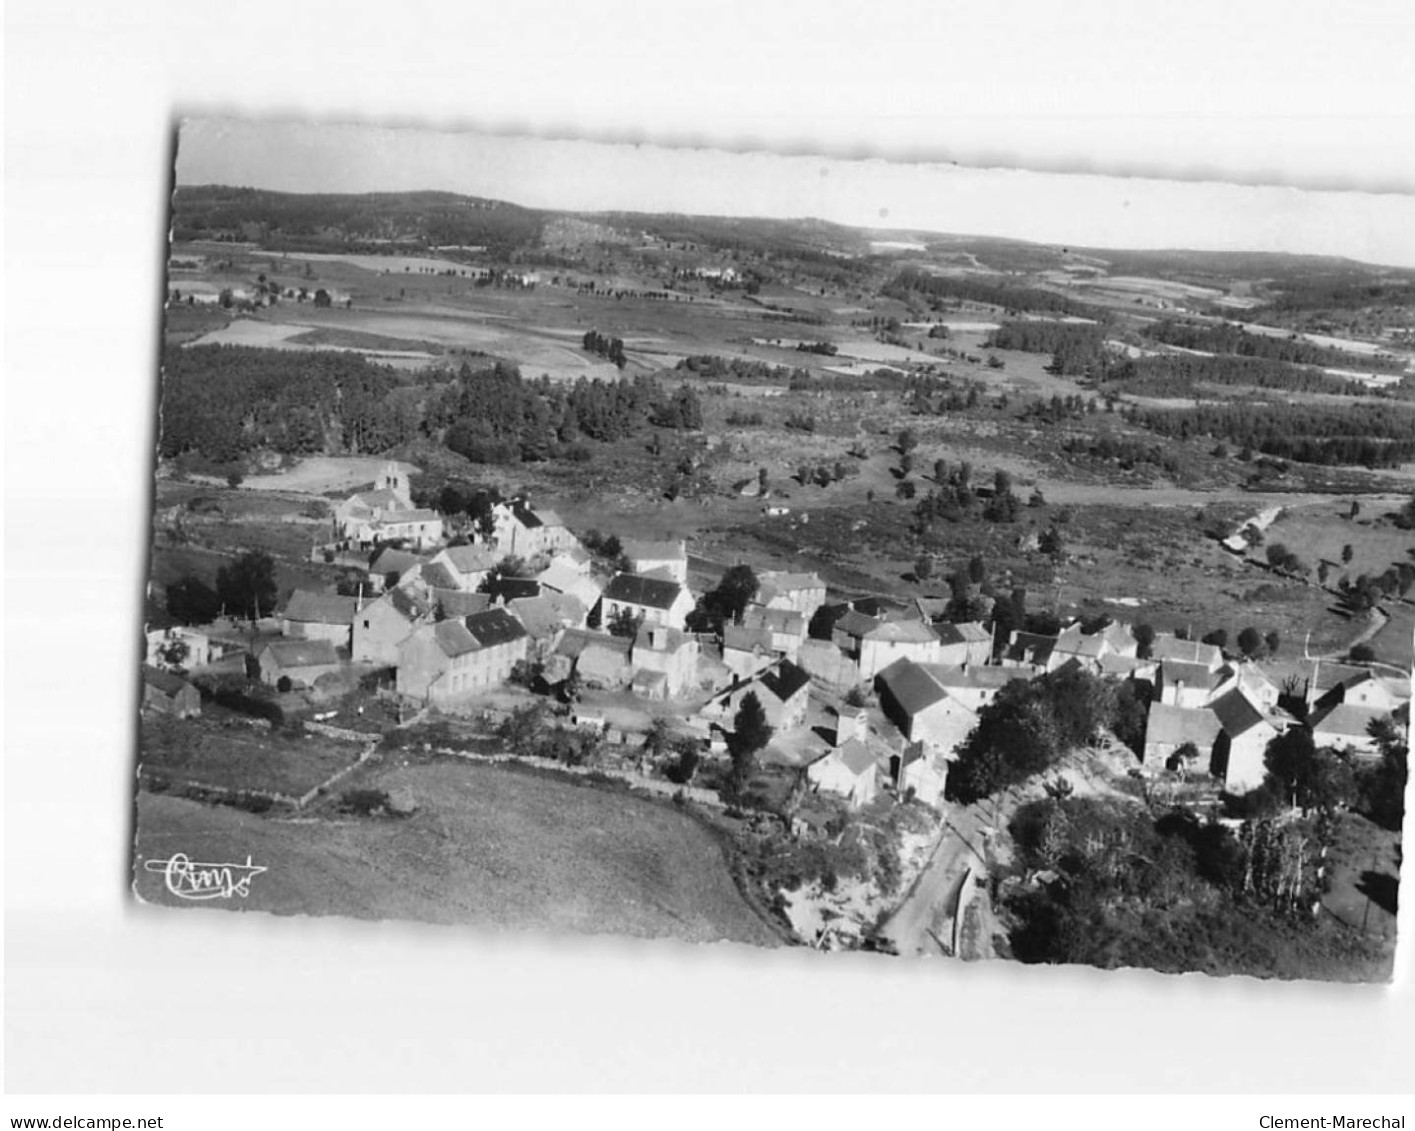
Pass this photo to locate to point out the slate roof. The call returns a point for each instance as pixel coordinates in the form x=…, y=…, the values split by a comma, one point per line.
x=784, y=680
x=1174, y=726
x=857, y=755
x=903, y=632
x=911, y=686
x=1191, y=675
x=302, y=653
x=1030, y=648
x=1236, y=713
x=775, y=620
x=1185, y=651
x=437, y=576
x=493, y=627
x=952, y=675
x=406, y=604
x=382, y=498
x=637, y=551
x=968, y=633
x=743, y=639
x=1347, y=720
x=785, y=582
x=882, y=608
x=510, y=588
x=647, y=592
x=390, y=560
x=524, y=515
x=457, y=603
x=453, y=638
x=538, y=615
x=670, y=639
x=411, y=515
x=470, y=559
x=169, y=683
x=308, y=607
x=932, y=608
x=574, y=641
x=856, y=623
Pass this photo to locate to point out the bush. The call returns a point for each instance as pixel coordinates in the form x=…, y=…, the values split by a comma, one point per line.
x=1362, y=654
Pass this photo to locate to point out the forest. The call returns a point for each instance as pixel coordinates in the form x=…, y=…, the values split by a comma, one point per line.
x=1076, y=348
x=1231, y=339
x=1366, y=435
x=348, y=221
x=940, y=288
x=224, y=401
x=1184, y=375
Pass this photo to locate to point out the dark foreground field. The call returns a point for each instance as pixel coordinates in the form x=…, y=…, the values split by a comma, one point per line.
x=488, y=847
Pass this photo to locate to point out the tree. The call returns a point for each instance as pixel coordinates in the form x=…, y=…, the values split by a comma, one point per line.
x=174, y=652
x=1362, y=654
x=322, y=298
x=1250, y=642
x=1218, y=638
x=734, y=592
x=907, y=441
x=192, y=601
x=1307, y=777
x=1145, y=639
x=625, y=622
x=924, y=568
x=246, y=586
x=1346, y=554
x=1272, y=640
x=234, y=480
x=750, y=734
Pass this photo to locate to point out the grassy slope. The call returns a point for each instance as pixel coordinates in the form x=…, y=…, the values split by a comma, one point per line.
x=489, y=847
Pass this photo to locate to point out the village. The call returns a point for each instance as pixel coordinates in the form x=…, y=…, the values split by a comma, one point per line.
x=851, y=705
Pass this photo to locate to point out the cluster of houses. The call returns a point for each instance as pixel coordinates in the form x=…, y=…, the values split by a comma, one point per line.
x=452, y=626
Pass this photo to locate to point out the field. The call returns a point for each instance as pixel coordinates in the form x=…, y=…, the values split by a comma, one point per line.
x=489, y=847
x=222, y=753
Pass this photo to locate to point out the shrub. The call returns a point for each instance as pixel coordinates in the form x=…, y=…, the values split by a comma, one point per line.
x=1362, y=654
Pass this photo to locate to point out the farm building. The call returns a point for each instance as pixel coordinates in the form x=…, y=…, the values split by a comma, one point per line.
x=747, y=650
x=393, y=563
x=827, y=663
x=301, y=661
x=974, y=687
x=1182, y=684
x=319, y=616
x=921, y=707
x=786, y=627
x=166, y=693
x=1170, y=648
x=545, y=616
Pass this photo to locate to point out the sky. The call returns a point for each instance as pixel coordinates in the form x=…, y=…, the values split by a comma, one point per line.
x=580, y=175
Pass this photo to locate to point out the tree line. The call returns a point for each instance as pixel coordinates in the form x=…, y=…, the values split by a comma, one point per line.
x=991, y=291
x=1226, y=338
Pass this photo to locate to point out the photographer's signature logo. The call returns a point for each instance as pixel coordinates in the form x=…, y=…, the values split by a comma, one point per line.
x=192, y=879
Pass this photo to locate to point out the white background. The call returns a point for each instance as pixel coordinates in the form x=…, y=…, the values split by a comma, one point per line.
x=102, y=995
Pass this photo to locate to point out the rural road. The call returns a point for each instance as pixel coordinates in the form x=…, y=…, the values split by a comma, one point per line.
x=918, y=923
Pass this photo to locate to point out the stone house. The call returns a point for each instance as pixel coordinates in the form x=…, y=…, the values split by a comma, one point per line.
x=166, y=693
x=301, y=661
x=656, y=600
x=382, y=625
x=319, y=616
x=449, y=661
x=658, y=559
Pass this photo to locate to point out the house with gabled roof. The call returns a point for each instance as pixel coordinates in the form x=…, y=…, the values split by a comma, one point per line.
x=1239, y=753
x=656, y=600
x=974, y=687
x=448, y=661
x=915, y=700
x=319, y=616
x=194, y=647
x=785, y=627
x=803, y=593
x=958, y=644
x=669, y=653
x=1336, y=683
x=1168, y=727
x=658, y=559
x=1167, y=646
x=301, y=661
x=850, y=768
x=562, y=577
x=747, y=650
x=166, y=693
x=1030, y=651
x=466, y=566
x=381, y=625
x=782, y=689
x=849, y=629
x=528, y=532
x=1182, y=684
x=922, y=770
x=1347, y=726
x=392, y=562
x=600, y=660
x=546, y=616
x=451, y=603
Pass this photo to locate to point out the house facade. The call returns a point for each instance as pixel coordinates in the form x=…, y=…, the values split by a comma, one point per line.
x=850, y=770
x=319, y=616
x=300, y=661
x=526, y=532
x=166, y=693
x=656, y=600
x=449, y=661
x=667, y=652
x=466, y=566
x=162, y=642
x=1239, y=752
x=803, y=593
x=659, y=559
x=382, y=625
